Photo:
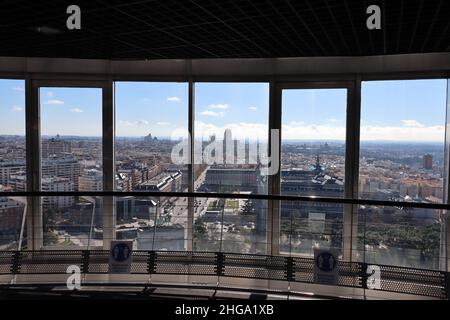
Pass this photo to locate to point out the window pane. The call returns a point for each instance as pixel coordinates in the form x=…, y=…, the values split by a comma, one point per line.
x=229, y=225
x=402, y=159
x=409, y=237
x=151, y=122
x=12, y=164
x=71, y=142
x=312, y=164
x=402, y=155
x=305, y=226
x=230, y=155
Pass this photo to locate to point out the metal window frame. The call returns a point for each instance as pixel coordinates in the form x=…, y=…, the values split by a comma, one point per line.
x=241, y=80
x=351, y=157
x=34, y=154
x=274, y=71
x=191, y=118
x=445, y=248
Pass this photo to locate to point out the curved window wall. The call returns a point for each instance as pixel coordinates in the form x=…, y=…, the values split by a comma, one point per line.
x=400, y=137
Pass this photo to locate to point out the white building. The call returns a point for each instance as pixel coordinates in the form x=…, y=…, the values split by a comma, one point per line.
x=56, y=184
x=91, y=180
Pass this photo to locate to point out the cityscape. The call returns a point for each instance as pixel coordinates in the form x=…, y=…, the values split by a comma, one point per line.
x=388, y=171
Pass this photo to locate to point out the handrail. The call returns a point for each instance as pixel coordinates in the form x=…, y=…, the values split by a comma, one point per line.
x=353, y=201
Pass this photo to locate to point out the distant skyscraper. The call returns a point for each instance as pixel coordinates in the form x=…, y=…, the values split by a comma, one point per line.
x=428, y=161
x=148, y=138
x=228, y=147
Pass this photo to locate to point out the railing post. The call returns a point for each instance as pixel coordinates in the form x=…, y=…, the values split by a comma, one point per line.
x=151, y=262
x=16, y=262
x=85, y=255
x=220, y=264
x=290, y=274
x=447, y=285
x=363, y=274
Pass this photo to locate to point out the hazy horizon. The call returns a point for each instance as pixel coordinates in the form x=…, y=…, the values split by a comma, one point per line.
x=336, y=141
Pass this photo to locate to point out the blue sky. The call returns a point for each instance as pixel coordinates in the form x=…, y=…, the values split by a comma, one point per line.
x=391, y=110
x=411, y=110
x=71, y=111
x=314, y=114
x=158, y=108
x=241, y=107
x=12, y=105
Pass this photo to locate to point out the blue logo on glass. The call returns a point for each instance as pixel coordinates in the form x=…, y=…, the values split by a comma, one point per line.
x=120, y=252
x=326, y=262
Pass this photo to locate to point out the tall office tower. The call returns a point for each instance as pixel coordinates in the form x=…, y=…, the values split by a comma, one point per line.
x=428, y=161
x=148, y=138
x=228, y=147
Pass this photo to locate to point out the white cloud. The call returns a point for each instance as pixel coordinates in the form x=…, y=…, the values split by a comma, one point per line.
x=54, y=102
x=212, y=113
x=253, y=108
x=163, y=123
x=312, y=132
x=240, y=130
x=218, y=106
x=422, y=133
x=368, y=133
x=50, y=94
x=77, y=110
x=412, y=123
x=298, y=130
x=16, y=108
x=18, y=88
x=173, y=99
x=126, y=123
x=142, y=122
x=333, y=120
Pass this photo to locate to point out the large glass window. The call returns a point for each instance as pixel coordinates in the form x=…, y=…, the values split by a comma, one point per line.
x=312, y=164
x=71, y=150
x=152, y=122
x=230, y=155
x=12, y=164
x=402, y=159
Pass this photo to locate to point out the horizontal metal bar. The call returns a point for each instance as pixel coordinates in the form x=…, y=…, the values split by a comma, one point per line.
x=52, y=287
x=257, y=68
x=436, y=206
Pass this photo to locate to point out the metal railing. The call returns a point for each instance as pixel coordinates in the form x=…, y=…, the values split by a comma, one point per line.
x=421, y=282
x=412, y=281
x=354, y=201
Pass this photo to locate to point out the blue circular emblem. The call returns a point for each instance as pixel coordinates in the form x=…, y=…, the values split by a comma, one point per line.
x=120, y=252
x=326, y=262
